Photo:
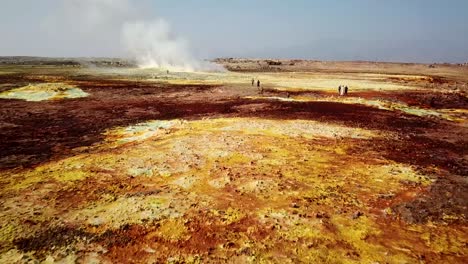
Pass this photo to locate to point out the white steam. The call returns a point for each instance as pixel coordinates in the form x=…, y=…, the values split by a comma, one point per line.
x=120, y=27
x=153, y=45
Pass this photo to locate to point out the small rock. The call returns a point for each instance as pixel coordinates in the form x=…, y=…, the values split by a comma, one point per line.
x=357, y=214
x=386, y=196
x=322, y=215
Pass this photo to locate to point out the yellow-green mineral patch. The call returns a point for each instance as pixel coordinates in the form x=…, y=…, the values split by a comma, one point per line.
x=43, y=92
x=139, y=132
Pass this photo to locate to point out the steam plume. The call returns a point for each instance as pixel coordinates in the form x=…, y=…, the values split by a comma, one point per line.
x=149, y=41
x=153, y=45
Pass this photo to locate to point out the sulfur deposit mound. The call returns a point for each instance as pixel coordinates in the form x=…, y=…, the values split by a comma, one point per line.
x=44, y=91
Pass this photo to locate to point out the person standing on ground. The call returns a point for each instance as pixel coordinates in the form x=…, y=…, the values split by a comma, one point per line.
x=339, y=90
x=258, y=83
x=346, y=90
x=253, y=82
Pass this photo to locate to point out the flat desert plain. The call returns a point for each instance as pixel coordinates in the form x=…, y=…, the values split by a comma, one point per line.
x=128, y=165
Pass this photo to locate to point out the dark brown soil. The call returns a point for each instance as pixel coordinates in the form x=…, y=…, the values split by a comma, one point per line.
x=36, y=132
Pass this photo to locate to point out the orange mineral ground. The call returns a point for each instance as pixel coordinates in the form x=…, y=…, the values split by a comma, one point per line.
x=146, y=166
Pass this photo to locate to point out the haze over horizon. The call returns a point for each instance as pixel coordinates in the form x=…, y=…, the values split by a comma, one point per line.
x=404, y=31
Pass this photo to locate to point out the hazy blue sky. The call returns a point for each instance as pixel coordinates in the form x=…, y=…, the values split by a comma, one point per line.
x=391, y=30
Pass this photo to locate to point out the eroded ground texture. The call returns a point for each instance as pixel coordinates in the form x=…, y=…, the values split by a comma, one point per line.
x=124, y=165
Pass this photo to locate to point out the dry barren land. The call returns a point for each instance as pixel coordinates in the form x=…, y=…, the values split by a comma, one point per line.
x=125, y=165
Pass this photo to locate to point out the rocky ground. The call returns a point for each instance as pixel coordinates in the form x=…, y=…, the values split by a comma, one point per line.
x=121, y=165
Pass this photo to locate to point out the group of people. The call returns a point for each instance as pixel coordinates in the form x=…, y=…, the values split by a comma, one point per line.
x=258, y=83
x=342, y=90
